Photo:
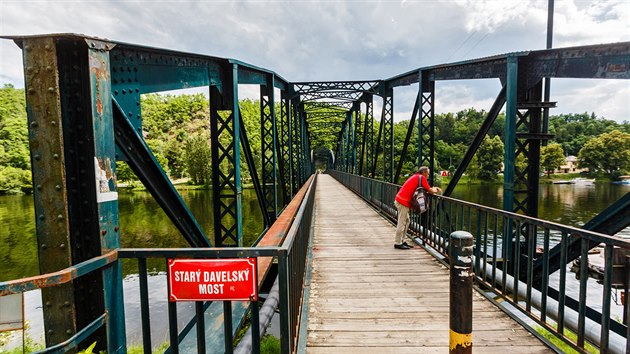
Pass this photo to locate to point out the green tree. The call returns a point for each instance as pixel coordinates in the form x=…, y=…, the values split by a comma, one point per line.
x=14, y=150
x=489, y=158
x=551, y=157
x=197, y=156
x=608, y=153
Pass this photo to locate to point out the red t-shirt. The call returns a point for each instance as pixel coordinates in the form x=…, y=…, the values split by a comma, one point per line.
x=406, y=191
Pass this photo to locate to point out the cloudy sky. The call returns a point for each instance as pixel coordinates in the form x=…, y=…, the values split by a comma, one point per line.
x=346, y=40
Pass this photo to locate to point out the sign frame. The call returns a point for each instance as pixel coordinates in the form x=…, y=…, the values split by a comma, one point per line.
x=177, y=293
x=12, y=324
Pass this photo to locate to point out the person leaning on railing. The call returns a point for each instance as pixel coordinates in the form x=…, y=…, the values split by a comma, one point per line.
x=403, y=203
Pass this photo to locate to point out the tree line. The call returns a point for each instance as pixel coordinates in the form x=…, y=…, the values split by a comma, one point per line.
x=176, y=128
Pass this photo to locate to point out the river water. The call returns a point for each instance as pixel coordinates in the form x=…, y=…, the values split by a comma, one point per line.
x=144, y=224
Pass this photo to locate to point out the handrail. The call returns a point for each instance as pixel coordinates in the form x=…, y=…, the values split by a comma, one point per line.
x=56, y=278
x=286, y=240
x=505, y=249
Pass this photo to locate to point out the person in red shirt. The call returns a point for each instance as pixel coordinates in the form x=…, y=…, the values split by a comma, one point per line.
x=403, y=203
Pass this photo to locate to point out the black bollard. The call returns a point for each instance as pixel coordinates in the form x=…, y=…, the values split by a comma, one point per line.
x=461, y=274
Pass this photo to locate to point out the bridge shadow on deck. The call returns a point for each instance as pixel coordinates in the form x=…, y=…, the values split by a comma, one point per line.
x=367, y=297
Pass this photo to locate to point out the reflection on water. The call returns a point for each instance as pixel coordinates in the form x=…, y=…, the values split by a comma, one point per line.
x=143, y=224
x=567, y=204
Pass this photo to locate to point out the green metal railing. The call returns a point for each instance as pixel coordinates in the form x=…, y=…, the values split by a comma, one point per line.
x=291, y=260
x=506, y=247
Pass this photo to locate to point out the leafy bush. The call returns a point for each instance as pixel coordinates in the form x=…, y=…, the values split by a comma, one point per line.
x=14, y=180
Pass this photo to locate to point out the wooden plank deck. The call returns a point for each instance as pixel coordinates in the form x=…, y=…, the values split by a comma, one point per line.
x=367, y=297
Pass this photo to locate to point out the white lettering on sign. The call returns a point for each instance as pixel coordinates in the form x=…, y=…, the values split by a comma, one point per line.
x=205, y=289
x=210, y=279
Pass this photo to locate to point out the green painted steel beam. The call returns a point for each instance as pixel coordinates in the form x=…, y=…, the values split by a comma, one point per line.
x=510, y=133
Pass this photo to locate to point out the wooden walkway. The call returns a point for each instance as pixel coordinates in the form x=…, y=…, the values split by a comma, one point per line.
x=367, y=297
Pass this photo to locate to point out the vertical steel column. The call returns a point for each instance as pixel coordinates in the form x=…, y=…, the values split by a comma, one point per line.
x=285, y=148
x=370, y=151
x=48, y=164
x=349, y=142
x=295, y=164
x=268, y=147
x=388, y=135
x=358, y=140
x=226, y=174
x=528, y=142
x=550, y=7
x=426, y=126
x=303, y=147
x=106, y=194
x=71, y=138
x=510, y=132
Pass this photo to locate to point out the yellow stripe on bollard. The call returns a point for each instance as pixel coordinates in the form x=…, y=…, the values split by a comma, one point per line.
x=463, y=340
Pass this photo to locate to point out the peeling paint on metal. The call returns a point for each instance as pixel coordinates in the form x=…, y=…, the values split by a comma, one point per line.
x=105, y=183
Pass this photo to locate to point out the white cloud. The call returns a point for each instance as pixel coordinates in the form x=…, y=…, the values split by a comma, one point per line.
x=342, y=40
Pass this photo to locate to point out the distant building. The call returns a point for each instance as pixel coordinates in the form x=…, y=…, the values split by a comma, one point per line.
x=570, y=166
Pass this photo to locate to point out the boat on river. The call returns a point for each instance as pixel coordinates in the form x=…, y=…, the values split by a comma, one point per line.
x=624, y=180
x=563, y=182
x=583, y=181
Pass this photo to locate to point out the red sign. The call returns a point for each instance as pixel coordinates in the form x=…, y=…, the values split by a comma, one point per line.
x=212, y=279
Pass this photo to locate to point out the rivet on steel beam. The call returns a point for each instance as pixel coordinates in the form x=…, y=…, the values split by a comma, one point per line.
x=33, y=124
x=116, y=93
x=53, y=123
x=31, y=91
x=51, y=89
x=124, y=91
x=50, y=331
x=59, y=217
x=45, y=246
x=62, y=246
x=27, y=47
x=66, y=304
x=29, y=69
x=39, y=187
x=58, y=187
x=49, y=68
x=104, y=232
x=47, y=47
x=68, y=331
x=56, y=156
x=37, y=157
x=41, y=217
x=48, y=304
x=116, y=230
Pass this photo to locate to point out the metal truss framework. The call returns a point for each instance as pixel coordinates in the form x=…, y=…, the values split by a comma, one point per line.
x=84, y=113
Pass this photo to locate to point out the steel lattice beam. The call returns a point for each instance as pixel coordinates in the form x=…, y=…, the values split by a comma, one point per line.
x=268, y=149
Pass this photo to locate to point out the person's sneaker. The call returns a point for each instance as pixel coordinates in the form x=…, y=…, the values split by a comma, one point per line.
x=406, y=244
x=402, y=247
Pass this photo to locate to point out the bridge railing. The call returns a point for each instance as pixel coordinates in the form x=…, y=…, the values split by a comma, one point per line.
x=290, y=256
x=506, y=248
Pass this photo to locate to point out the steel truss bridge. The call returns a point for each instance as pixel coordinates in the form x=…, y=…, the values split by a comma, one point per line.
x=83, y=101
